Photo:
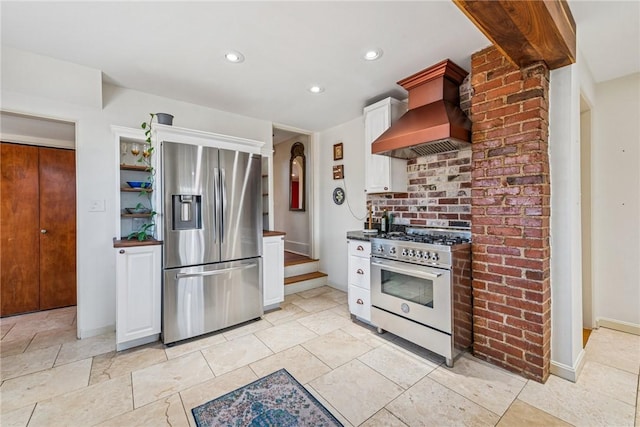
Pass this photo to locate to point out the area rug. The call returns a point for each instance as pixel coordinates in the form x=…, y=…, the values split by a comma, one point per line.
x=275, y=400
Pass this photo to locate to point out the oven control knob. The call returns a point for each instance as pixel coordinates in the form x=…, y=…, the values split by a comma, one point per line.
x=380, y=249
x=404, y=252
x=418, y=254
x=426, y=255
x=392, y=251
x=434, y=256
x=410, y=252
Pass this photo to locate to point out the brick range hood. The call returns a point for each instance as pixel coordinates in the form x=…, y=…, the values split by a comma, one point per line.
x=434, y=122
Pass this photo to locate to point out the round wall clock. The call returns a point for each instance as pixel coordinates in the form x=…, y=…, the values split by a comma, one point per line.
x=338, y=196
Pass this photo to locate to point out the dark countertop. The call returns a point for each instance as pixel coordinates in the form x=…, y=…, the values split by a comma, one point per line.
x=360, y=235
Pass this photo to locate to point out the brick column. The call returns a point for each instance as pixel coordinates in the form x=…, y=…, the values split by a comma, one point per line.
x=510, y=214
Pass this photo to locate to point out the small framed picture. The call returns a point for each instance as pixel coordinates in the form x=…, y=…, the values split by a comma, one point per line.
x=337, y=151
x=338, y=172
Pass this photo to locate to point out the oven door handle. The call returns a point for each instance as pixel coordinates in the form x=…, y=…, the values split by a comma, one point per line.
x=420, y=273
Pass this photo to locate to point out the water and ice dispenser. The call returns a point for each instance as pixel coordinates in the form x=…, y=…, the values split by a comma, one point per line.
x=186, y=211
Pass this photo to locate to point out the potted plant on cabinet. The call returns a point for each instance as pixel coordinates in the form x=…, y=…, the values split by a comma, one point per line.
x=147, y=230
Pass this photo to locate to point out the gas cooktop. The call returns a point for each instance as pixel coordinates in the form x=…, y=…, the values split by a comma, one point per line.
x=430, y=236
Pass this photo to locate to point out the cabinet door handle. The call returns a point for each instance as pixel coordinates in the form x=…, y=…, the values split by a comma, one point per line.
x=359, y=248
x=360, y=271
x=359, y=301
x=43, y=231
x=121, y=251
x=386, y=188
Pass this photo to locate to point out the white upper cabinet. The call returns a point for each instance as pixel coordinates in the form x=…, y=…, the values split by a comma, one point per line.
x=383, y=174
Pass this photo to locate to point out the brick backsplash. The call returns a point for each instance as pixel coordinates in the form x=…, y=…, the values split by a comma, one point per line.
x=438, y=193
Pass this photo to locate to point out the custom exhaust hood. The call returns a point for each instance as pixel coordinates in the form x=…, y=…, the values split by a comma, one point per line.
x=434, y=122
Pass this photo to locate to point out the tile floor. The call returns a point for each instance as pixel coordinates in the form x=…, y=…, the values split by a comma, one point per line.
x=50, y=378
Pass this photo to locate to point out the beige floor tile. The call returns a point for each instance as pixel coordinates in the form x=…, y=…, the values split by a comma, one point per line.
x=27, y=329
x=231, y=355
x=211, y=389
x=614, y=348
x=337, y=295
x=288, y=299
x=356, y=391
x=28, y=389
x=328, y=406
x=114, y=364
x=365, y=333
x=16, y=418
x=324, y=322
x=287, y=313
x=163, y=412
x=520, y=414
x=88, y=347
x=64, y=315
x=285, y=336
x=575, y=404
x=303, y=365
x=613, y=382
x=342, y=310
x=400, y=366
x=315, y=304
x=484, y=384
x=53, y=337
x=28, y=363
x=312, y=293
x=336, y=348
x=429, y=400
x=247, y=329
x=383, y=418
x=166, y=378
x=5, y=328
x=195, y=344
x=11, y=348
x=87, y=406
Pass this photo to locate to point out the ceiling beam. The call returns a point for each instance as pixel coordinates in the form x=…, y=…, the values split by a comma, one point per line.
x=526, y=31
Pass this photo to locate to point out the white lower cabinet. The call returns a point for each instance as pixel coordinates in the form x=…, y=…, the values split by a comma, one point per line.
x=138, y=295
x=272, y=270
x=359, y=289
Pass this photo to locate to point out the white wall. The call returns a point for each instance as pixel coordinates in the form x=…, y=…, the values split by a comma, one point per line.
x=295, y=223
x=336, y=220
x=95, y=155
x=616, y=194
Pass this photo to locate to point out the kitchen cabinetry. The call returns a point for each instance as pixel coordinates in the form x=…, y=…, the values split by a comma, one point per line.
x=272, y=269
x=138, y=288
x=359, y=289
x=383, y=174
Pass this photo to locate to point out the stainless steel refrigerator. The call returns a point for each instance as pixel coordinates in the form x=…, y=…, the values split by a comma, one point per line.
x=212, y=239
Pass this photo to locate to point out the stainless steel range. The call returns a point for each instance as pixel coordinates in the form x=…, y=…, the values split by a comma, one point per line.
x=421, y=288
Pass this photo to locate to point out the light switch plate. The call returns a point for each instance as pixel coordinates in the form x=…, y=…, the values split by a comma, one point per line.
x=96, y=206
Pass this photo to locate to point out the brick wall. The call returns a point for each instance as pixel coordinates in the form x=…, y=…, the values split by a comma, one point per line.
x=510, y=194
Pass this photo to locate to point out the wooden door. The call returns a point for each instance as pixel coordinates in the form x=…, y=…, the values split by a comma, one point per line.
x=20, y=234
x=37, y=229
x=57, y=228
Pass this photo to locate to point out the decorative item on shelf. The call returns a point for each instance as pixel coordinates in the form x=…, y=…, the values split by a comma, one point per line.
x=145, y=230
x=164, y=119
x=338, y=172
x=338, y=196
x=337, y=151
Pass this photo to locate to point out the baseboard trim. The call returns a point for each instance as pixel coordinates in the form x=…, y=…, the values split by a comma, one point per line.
x=570, y=373
x=618, y=325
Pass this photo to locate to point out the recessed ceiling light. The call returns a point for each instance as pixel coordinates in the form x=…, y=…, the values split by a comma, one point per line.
x=234, y=56
x=316, y=89
x=373, y=54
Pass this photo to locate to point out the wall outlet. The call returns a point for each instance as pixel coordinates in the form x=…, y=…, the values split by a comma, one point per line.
x=96, y=206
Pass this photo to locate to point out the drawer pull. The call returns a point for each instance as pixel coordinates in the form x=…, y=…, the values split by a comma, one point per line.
x=360, y=271
x=359, y=248
x=359, y=301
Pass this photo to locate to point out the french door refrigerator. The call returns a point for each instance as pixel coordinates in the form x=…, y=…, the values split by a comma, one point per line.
x=212, y=208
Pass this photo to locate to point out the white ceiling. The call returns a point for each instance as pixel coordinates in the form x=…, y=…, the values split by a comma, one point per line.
x=175, y=49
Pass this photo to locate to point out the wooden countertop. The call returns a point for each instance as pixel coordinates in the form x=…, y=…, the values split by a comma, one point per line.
x=269, y=233
x=125, y=243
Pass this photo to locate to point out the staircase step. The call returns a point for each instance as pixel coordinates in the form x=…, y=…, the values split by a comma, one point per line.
x=301, y=268
x=304, y=282
x=299, y=261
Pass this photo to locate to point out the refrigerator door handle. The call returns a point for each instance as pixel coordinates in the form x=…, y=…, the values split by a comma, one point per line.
x=223, y=190
x=216, y=201
x=214, y=272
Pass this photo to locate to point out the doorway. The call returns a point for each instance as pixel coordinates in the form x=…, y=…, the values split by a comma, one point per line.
x=292, y=212
x=588, y=321
x=38, y=228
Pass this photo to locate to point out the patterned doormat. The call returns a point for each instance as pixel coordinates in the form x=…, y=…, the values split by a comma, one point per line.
x=275, y=400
